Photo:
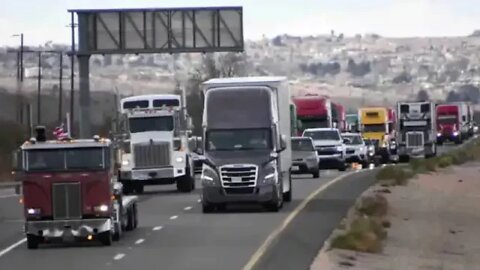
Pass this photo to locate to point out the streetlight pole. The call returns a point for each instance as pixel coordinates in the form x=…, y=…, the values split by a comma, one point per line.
x=72, y=75
x=60, y=89
x=39, y=85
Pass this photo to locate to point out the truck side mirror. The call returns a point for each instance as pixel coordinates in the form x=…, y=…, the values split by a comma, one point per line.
x=17, y=161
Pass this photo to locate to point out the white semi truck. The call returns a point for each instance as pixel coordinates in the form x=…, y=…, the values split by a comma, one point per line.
x=157, y=152
x=247, y=147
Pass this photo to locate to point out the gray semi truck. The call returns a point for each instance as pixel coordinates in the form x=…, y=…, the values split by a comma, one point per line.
x=246, y=138
x=416, y=132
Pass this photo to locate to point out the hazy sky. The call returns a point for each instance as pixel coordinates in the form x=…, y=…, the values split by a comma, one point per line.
x=43, y=20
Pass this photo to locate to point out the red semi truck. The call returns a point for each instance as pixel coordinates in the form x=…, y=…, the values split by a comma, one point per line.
x=70, y=191
x=313, y=111
x=449, y=123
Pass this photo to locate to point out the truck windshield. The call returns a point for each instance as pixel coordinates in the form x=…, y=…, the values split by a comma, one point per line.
x=314, y=123
x=143, y=124
x=302, y=145
x=374, y=128
x=66, y=159
x=323, y=135
x=239, y=139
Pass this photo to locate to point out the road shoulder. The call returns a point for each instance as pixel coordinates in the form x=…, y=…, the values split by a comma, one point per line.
x=434, y=224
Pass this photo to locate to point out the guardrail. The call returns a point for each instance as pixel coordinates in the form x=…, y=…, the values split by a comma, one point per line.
x=15, y=185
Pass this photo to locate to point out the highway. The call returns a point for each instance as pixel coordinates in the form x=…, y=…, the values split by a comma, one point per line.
x=174, y=234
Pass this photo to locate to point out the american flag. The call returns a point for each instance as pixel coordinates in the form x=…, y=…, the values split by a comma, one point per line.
x=59, y=132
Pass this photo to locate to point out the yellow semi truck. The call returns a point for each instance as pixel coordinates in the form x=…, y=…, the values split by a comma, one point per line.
x=376, y=126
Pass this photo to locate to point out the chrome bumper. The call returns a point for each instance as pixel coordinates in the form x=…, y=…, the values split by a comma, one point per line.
x=152, y=174
x=68, y=228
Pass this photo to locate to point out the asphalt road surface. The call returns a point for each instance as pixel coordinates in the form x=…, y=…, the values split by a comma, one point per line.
x=174, y=234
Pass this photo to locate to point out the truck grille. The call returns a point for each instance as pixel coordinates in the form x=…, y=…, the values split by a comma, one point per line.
x=152, y=155
x=415, y=139
x=66, y=200
x=238, y=176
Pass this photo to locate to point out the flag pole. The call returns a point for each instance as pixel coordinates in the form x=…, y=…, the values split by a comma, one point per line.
x=68, y=125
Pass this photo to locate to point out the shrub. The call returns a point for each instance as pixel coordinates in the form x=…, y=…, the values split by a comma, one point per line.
x=376, y=205
x=445, y=161
x=365, y=235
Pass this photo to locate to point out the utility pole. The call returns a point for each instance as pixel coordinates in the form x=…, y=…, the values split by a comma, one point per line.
x=72, y=76
x=60, y=89
x=21, y=57
x=39, y=88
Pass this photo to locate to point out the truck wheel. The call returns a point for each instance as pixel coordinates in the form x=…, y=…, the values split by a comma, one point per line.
x=32, y=241
x=404, y=159
x=105, y=238
x=287, y=196
x=343, y=167
x=135, y=216
x=118, y=232
x=130, y=219
x=127, y=188
x=316, y=174
x=186, y=183
x=139, y=188
x=277, y=202
x=207, y=207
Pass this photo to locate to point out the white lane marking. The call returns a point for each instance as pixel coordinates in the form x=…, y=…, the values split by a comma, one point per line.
x=119, y=256
x=8, y=196
x=173, y=217
x=274, y=234
x=139, y=241
x=187, y=208
x=158, y=228
x=10, y=248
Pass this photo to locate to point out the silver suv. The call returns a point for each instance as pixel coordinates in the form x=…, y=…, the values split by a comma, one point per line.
x=304, y=157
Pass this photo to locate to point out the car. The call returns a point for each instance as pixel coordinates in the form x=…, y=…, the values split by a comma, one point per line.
x=305, y=159
x=356, y=149
x=330, y=147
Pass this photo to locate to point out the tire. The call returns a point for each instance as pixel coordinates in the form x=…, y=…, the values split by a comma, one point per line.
x=207, y=207
x=316, y=174
x=130, y=219
x=439, y=142
x=127, y=188
x=118, y=232
x=277, y=202
x=342, y=167
x=135, y=216
x=287, y=196
x=186, y=183
x=221, y=207
x=32, y=241
x=139, y=188
x=105, y=238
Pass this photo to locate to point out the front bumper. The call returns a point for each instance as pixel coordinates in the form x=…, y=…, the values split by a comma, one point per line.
x=151, y=174
x=356, y=158
x=332, y=161
x=68, y=228
x=258, y=194
x=411, y=151
x=304, y=166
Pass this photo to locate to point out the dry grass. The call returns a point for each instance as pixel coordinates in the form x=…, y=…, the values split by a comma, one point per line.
x=367, y=230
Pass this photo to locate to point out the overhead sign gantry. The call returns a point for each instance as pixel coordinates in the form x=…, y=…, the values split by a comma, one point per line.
x=152, y=30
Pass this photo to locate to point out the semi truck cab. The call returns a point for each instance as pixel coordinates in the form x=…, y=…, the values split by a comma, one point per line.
x=70, y=191
x=247, y=148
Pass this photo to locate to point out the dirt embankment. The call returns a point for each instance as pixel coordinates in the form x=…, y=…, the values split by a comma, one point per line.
x=434, y=225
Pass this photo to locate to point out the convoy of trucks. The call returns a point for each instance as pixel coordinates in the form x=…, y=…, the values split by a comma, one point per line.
x=157, y=128
x=247, y=145
x=78, y=189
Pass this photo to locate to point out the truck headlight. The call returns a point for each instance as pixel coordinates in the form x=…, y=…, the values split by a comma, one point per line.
x=455, y=133
x=33, y=211
x=101, y=208
x=179, y=159
x=125, y=162
x=270, y=172
x=209, y=175
x=439, y=134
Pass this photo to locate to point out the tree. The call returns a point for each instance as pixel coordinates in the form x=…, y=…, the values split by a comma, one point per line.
x=225, y=65
x=423, y=95
x=453, y=96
